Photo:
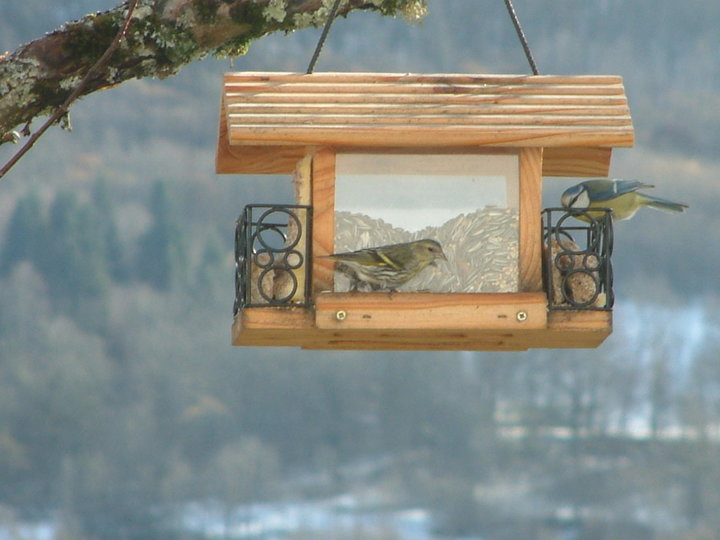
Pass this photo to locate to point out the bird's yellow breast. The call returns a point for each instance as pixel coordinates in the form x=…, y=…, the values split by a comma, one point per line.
x=623, y=206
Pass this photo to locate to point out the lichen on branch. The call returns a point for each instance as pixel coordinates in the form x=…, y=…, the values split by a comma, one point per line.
x=164, y=36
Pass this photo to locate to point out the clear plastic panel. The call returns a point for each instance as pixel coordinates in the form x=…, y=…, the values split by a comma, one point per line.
x=468, y=203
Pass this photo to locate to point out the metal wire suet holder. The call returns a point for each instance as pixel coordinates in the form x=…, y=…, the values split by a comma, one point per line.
x=577, y=263
x=273, y=256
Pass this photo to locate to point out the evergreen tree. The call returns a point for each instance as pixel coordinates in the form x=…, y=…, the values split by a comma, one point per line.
x=113, y=250
x=213, y=277
x=24, y=236
x=161, y=255
x=92, y=274
x=60, y=259
x=74, y=262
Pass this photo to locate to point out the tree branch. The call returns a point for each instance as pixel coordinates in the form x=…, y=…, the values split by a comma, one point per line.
x=164, y=36
x=65, y=107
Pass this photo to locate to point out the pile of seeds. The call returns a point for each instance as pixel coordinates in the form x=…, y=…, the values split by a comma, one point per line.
x=481, y=248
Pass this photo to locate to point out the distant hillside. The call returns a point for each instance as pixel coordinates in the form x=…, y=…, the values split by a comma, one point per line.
x=123, y=405
x=666, y=51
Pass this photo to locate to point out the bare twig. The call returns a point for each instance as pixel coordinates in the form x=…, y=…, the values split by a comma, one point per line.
x=63, y=109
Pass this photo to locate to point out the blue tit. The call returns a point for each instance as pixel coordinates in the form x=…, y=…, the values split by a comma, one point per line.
x=621, y=196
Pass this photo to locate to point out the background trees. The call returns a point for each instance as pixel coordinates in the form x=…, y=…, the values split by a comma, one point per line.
x=121, y=399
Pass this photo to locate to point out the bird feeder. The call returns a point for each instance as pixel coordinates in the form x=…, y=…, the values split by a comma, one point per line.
x=379, y=159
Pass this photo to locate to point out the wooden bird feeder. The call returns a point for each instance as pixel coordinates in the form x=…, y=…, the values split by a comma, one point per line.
x=379, y=159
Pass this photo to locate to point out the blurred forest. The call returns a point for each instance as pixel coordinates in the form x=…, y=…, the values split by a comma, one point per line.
x=123, y=408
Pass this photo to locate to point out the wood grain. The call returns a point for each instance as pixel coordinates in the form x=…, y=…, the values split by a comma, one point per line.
x=576, y=161
x=530, y=230
x=294, y=327
x=302, y=180
x=323, y=201
x=280, y=159
x=441, y=311
x=268, y=120
x=421, y=110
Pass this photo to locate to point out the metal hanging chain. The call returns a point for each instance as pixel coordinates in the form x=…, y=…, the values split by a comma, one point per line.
x=323, y=36
x=521, y=36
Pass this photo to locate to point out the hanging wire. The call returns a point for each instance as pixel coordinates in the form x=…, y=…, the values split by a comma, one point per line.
x=323, y=36
x=508, y=5
x=521, y=36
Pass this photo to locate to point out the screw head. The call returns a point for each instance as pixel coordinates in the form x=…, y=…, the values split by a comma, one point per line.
x=340, y=315
x=522, y=316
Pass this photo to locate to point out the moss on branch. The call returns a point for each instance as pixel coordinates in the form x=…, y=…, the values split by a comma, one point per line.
x=163, y=36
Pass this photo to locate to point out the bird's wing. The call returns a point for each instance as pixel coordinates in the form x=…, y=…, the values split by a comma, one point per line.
x=366, y=257
x=384, y=259
x=626, y=186
x=604, y=190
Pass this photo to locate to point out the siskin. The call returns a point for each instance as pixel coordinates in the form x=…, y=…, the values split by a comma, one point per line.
x=388, y=267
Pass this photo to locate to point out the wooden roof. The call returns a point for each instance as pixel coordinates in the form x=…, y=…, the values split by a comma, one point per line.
x=585, y=116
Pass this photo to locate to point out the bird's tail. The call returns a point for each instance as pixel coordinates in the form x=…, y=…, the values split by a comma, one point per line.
x=665, y=205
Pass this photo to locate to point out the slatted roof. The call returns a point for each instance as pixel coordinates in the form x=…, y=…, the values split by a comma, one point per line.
x=422, y=111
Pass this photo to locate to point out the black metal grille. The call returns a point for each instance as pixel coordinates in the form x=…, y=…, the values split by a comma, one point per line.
x=272, y=256
x=576, y=266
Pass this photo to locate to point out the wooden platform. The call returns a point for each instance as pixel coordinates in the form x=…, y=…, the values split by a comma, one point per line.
x=422, y=321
